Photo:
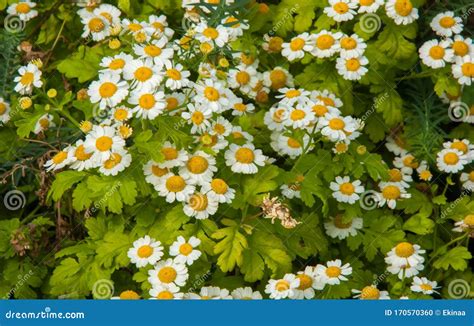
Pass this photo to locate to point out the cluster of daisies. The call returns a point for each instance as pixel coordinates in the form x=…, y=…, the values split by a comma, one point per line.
x=23, y=9
x=453, y=48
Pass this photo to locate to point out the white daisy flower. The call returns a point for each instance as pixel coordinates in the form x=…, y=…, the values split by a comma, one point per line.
x=406, y=162
x=176, y=77
x=463, y=70
x=277, y=78
x=327, y=97
x=243, y=78
x=346, y=191
x=219, y=190
x=168, y=272
x=137, y=28
x=174, y=188
x=272, y=44
x=275, y=117
x=212, y=95
x=4, y=111
x=143, y=74
x=424, y=172
x=160, y=25
x=395, y=145
x=352, y=68
x=165, y=292
x=95, y=26
x=109, y=12
x=23, y=9
x=208, y=34
x=116, y=63
x=400, y=177
x=244, y=159
x=246, y=293
x=174, y=103
x=172, y=156
x=291, y=191
x=235, y=27
x=308, y=283
x=391, y=192
x=81, y=159
x=334, y=272
x=121, y=114
x=185, y=251
x=336, y=228
x=156, y=51
x=145, y=251
x=282, y=288
x=405, y=254
x=211, y=293
x=325, y=43
x=405, y=271
x=424, y=285
x=199, y=168
x=434, y=53
x=297, y=47
x=467, y=180
x=370, y=293
x=451, y=160
x=401, y=11
x=462, y=145
x=341, y=10
x=102, y=142
x=148, y=104
x=221, y=127
x=466, y=224
x=239, y=136
x=461, y=46
x=108, y=91
x=291, y=96
x=154, y=173
x=445, y=24
x=336, y=127
x=200, y=206
x=299, y=116
x=351, y=46
x=44, y=123
x=240, y=108
x=117, y=162
x=198, y=117
x=29, y=78
x=369, y=6
x=287, y=145
x=59, y=160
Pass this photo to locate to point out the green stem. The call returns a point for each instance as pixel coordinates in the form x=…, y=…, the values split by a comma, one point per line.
x=70, y=118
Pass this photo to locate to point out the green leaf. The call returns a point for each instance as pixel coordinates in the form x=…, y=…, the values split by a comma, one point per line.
x=166, y=226
x=112, y=250
x=230, y=247
x=64, y=181
x=82, y=64
x=419, y=224
x=455, y=258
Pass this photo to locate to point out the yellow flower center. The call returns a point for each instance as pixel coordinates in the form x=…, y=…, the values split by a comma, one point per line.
x=341, y=7
x=471, y=176
x=447, y=22
x=292, y=93
x=460, y=48
x=233, y=22
x=244, y=155
x=134, y=27
x=274, y=44
x=120, y=114
x=242, y=77
x=297, y=114
x=451, y=158
x=468, y=69
x=459, y=145
x=278, y=115
x=169, y=153
x=219, y=186
x=173, y=74
x=353, y=64
x=297, y=44
x=341, y=147
x=103, y=143
x=247, y=59
x=305, y=281
x=44, y=123
x=60, y=157
x=469, y=220
x=197, y=164
x=158, y=26
x=403, y=7
x=327, y=100
x=143, y=74
x=107, y=16
x=113, y=161
x=404, y=249
x=175, y=183
x=437, y=52
x=426, y=287
x=348, y=43
x=129, y=295
x=347, y=188
x=3, y=108
x=145, y=251
x=81, y=154
x=198, y=202
x=282, y=285
x=96, y=25
x=211, y=93
x=366, y=2
x=333, y=271
x=107, y=89
x=425, y=175
x=293, y=143
x=167, y=274
x=391, y=192
x=171, y=103
x=157, y=171
x=320, y=110
x=410, y=161
x=165, y=295
x=197, y=117
x=395, y=175
x=147, y=101
x=278, y=78
x=324, y=42
x=27, y=78
x=370, y=293
x=336, y=124
x=340, y=224
x=185, y=249
x=219, y=128
x=22, y=8
x=211, y=33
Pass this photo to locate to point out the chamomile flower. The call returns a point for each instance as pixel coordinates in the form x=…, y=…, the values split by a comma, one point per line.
x=275, y=117
x=424, y=285
x=287, y=145
x=352, y=68
x=467, y=180
x=23, y=9
x=400, y=177
x=351, y=46
x=466, y=224
x=235, y=27
x=160, y=25
x=327, y=97
x=334, y=272
x=4, y=111
x=95, y=26
x=434, y=53
x=445, y=24
x=165, y=292
x=145, y=251
x=277, y=78
x=44, y=123
x=219, y=190
x=198, y=117
x=148, y=104
x=212, y=293
x=246, y=293
x=291, y=96
x=406, y=162
x=173, y=102
x=370, y=292
x=424, y=172
x=121, y=114
x=239, y=136
x=291, y=191
x=156, y=51
x=461, y=46
x=116, y=63
x=172, y=156
x=143, y=74
x=243, y=78
x=369, y=6
x=341, y=10
x=308, y=283
x=176, y=77
x=239, y=108
x=272, y=44
x=199, y=168
x=185, y=251
x=168, y=272
x=336, y=127
x=405, y=254
x=29, y=78
x=59, y=160
x=244, y=159
x=401, y=11
x=117, y=162
x=208, y=34
x=102, y=141
x=282, y=288
x=109, y=12
x=108, y=91
x=155, y=173
x=346, y=191
x=299, y=116
x=325, y=43
x=462, y=145
x=463, y=70
x=451, y=160
x=336, y=228
x=200, y=206
x=391, y=192
x=297, y=47
x=212, y=95
x=81, y=159
x=174, y=188
x=138, y=29
x=405, y=271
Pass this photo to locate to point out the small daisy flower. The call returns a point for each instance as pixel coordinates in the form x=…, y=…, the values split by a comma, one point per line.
x=212, y=95
x=286, y=145
x=308, y=283
x=160, y=25
x=198, y=117
x=200, y=206
x=81, y=159
x=108, y=91
x=369, y=6
x=445, y=24
x=235, y=27
x=466, y=224
x=211, y=293
x=277, y=78
x=351, y=46
x=168, y=272
x=335, y=127
x=243, y=78
x=467, y=180
x=291, y=96
x=246, y=293
x=127, y=295
x=272, y=44
x=336, y=228
x=145, y=251
x=4, y=111
x=461, y=46
x=109, y=12
x=165, y=292
x=173, y=103
x=244, y=159
x=137, y=28
x=143, y=74
x=346, y=191
x=212, y=141
x=391, y=192
x=341, y=10
x=174, y=188
x=434, y=53
x=172, y=156
x=44, y=123
x=463, y=70
x=291, y=191
x=282, y=288
x=185, y=251
x=148, y=104
x=98, y=27
x=59, y=160
x=275, y=117
x=462, y=145
x=23, y=9
x=207, y=34
x=401, y=11
x=116, y=63
x=102, y=142
x=239, y=108
x=406, y=162
x=29, y=78
x=424, y=285
x=451, y=160
x=405, y=254
x=405, y=271
x=325, y=43
x=156, y=51
x=370, y=293
x=334, y=272
x=299, y=117
x=400, y=177
x=297, y=47
x=239, y=136
x=199, y=168
x=121, y=114
x=219, y=190
x=328, y=98
x=352, y=68
x=424, y=172
x=117, y=162
x=176, y=77
x=155, y=173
